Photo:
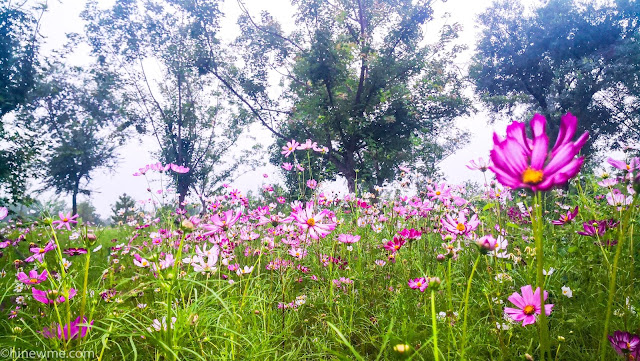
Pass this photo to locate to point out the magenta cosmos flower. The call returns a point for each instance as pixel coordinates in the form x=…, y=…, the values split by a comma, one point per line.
x=625, y=344
x=51, y=296
x=307, y=219
x=348, y=238
x=566, y=218
x=528, y=305
x=420, y=283
x=72, y=331
x=65, y=220
x=290, y=147
x=521, y=162
x=33, y=278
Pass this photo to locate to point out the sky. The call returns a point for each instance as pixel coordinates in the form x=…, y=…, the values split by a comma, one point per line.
x=63, y=17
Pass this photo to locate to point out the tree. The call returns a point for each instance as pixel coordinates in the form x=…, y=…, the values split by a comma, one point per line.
x=77, y=116
x=179, y=105
x=124, y=208
x=564, y=56
x=351, y=73
x=19, y=41
x=88, y=213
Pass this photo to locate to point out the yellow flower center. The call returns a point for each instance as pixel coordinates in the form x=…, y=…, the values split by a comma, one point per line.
x=529, y=310
x=41, y=250
x=311, y=222
x=33, y=280
x=438, y=193
x=419, y=284
x=460, y=227
x=532, y=176
x=65, y=220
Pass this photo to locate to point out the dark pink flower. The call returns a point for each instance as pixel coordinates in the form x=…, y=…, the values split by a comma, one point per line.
x=625, y=344
x=51, y=296
x=420, y=283
x=567, y=217
x=68, y=332
x=521, y=162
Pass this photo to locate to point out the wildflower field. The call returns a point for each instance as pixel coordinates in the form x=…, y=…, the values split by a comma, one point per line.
x=442, y=272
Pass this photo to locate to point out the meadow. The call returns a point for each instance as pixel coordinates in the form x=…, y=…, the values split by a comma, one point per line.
x=437, y=272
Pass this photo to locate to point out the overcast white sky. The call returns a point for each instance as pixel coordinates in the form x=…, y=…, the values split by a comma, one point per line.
x=63, y=17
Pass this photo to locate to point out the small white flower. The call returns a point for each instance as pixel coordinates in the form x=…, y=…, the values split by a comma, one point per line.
x=567, y=291
x=549, y=272
x=502, y=326
x=19, y=287
x=66, y=263
x=74, y=236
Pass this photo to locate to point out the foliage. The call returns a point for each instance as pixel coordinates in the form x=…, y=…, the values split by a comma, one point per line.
x=564, y=56
x=88, y=213
x=123, y=210
x=152, y=50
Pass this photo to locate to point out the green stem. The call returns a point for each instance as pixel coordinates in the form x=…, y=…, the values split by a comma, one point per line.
x=466, y=307
x=436, y=352
x=540, y=279
x=612, y=281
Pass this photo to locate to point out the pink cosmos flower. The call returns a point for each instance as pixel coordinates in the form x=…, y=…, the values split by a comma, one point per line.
x=307, y=219
x=34, y=278
x=617, y=199
x=481, y=165
x=567, y=217
x=219, y=224
x=287, y=166
x=420, y=283
x=289, y=148
x=521, y=162
x=348, y=238
x=439, y=191
x=298, y=252
x=312, y=183
x=622, y=165
x=65, y=220
x=72, y=331
x=51, y=296
x=308, y=145
x=528, y=305
x=3, y=213
x=38, y=253
x=460, y=225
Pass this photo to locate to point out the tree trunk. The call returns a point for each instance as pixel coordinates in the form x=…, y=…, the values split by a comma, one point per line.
x=74, y=201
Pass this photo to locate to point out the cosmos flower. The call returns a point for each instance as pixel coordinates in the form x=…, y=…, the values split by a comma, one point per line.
x=460, y=225
x=528, y=305
x=38, y=253
x=287, y=166
x=440, y=192
x=394, y=245
x=420, y=283
x=622, y=165
x=594, y=228
x=65, y=220
x=290, y=148
x=625, y=344
x=3, y=213
x=68, y=332
x=348, y=238
x=481, y=165
x=566, y=218
x=51, y=296
x=521, y=162
x=567, y=291
x=307, y=219
x=220, y=224
x=74, y=251
x=34, y=278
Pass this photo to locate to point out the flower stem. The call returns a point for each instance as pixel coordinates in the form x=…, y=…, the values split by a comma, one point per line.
x=612, y=280
x=436, y=352
x=466, y=307
x=540, y=279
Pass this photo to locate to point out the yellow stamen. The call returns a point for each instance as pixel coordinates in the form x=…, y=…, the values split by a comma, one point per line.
x=529, y=310
x=311, y=222
x=460, y=227
x=532, y=176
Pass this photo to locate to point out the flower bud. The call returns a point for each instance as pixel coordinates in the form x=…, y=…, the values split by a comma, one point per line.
x=440, y=258
x=401, y=348
x=187, y=226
